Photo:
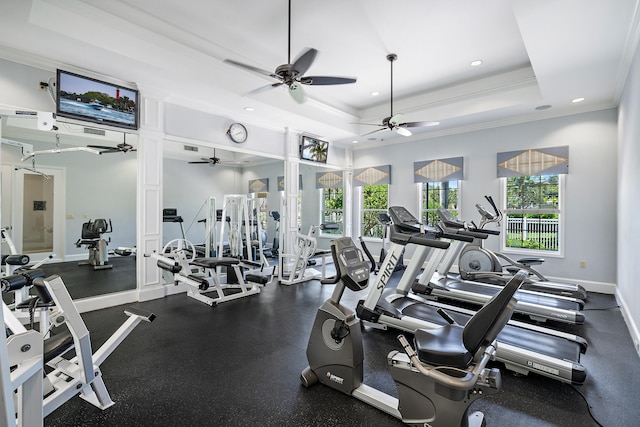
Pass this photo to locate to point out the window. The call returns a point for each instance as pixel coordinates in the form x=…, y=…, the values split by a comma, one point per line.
x=332, y=199
x=375, y=200
x=436, y=195
x=533, y=213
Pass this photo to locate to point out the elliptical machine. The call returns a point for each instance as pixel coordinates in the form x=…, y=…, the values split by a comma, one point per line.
x=436, y=382
x=478, y=263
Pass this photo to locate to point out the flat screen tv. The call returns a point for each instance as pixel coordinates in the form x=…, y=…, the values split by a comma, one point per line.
x=313, y=149
x=84, y=98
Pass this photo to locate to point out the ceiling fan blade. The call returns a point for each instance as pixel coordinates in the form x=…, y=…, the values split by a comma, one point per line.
x=296, y=92
x=367, y=124
x=402, y=131
x=419, y=124
x=327, y=80
x=373, y=131
x=304, y=61
x=250, y=68
x=198, y=163
x=103, y=147
x=264, y=89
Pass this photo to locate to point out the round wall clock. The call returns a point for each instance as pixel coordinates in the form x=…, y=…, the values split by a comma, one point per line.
x=237, y=132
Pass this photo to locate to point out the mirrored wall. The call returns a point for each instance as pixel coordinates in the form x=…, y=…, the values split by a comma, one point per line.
x=198, y=179
x=77, y=176
x=321, y=201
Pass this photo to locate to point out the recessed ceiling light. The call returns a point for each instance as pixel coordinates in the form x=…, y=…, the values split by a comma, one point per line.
x=475, y=63
x=577, y=100
x=249, y=109
x=375, y=93
x=543, y=107
x=355, y=141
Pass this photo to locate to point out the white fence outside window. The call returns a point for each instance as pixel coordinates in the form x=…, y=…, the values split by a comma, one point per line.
x=545, y=231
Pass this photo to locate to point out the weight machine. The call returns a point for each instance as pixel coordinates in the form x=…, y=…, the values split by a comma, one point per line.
x=37, y=394
x=91, y=237
x=201, y=275
x=293, y=267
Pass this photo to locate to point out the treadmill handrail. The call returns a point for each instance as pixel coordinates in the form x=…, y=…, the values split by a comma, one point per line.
x=399, y=236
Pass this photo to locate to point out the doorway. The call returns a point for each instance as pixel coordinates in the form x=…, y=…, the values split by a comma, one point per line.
x=37, y=213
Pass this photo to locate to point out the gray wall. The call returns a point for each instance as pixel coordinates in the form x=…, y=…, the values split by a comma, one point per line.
x=590, y=219
x=629, y=200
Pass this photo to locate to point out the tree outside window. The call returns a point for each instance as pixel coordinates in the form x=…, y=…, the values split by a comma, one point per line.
x=332, y=208
x=532, y=212
x=436, y=195
x=375, y=200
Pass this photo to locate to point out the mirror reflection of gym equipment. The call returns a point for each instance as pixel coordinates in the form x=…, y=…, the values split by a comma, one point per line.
x=92, y=239
x=111, y=173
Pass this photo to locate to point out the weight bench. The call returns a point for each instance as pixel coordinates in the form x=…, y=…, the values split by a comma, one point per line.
x=202, y=277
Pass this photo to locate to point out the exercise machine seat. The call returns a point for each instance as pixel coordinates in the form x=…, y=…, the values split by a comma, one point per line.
x=57, y=345
x=93, y=229
x=456, y=346
x=215, y=262
x=443, y=346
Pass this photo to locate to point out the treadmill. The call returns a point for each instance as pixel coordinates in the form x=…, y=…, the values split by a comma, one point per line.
x=481, y=265
x=522, y=347
x=435, y=283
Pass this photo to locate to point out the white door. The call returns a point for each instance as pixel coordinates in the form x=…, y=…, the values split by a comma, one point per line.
x=38, y=209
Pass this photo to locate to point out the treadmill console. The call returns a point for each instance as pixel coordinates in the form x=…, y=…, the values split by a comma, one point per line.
x=408, y=223
x=404, y=219
x=450, y=220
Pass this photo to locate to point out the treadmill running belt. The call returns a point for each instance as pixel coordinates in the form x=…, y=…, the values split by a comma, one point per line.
x=547, y=345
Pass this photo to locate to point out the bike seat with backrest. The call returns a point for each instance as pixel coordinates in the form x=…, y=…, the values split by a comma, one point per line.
x=456, y=346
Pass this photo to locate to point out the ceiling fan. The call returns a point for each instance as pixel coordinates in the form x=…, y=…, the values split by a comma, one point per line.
x=212, y=161
x=292, y=74
x=395, y=121
x=120, y=148
x=93, y=149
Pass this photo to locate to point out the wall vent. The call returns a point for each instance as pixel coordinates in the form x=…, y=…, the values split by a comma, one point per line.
x=94, y=131
x=191, y=148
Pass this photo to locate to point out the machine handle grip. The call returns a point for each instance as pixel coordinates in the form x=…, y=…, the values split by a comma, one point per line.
x=463, y=237
x=418, y=239
x=335, y=279
x=368, y=253
x=493, y=205
x=446, y=316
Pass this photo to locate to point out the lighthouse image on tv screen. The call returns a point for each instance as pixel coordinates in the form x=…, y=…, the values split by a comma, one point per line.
x=84, y=98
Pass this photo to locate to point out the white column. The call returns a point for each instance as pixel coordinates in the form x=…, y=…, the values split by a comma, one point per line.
x=149, y=203
x=347, y=193
x=291, y=188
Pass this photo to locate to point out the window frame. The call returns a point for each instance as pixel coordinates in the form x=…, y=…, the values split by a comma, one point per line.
x=364, y=210
x=561, y=223
x=422, y=213
x=331, y=233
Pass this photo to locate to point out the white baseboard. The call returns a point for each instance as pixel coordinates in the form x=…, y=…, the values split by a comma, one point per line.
x=631, y=323
x=590, y=286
